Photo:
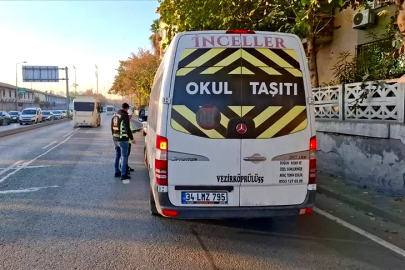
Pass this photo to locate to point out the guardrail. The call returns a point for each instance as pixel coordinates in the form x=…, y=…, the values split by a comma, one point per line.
x=31, y=127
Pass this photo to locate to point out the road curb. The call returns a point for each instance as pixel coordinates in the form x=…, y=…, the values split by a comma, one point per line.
x=363, y=205
x=30, y=127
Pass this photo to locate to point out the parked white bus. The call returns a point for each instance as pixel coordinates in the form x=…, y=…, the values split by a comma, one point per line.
x=110, y=109
x=86, y=112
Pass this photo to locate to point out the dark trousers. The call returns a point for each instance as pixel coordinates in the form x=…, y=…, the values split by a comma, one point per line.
x=129, y=152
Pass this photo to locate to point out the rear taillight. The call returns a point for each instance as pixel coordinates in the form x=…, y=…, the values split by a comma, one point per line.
x=170, y=213
x=240, y=32
x=161, y=161
x=312, y=161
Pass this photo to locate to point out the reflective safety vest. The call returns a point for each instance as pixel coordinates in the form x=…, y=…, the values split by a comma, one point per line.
x=118, y=127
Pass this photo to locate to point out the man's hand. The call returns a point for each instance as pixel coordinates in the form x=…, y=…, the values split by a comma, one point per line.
x=133, y=141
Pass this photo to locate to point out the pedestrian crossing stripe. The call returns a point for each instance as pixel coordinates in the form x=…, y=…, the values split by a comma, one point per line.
x=271, y=61
x=271, y=122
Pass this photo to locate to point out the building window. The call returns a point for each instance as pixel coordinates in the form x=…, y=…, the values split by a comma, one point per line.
x=372, y=52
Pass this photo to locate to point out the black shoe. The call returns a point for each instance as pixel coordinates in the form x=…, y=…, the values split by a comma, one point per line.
x=125, y=177
x=130, y=169
x=117, y=174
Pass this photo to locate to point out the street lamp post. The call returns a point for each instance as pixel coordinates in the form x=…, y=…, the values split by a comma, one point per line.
x=16, y=84
x=97, y=77
x=75, y=80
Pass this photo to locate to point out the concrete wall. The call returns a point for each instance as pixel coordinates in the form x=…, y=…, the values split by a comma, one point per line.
x=345, y=38
x=369, y=154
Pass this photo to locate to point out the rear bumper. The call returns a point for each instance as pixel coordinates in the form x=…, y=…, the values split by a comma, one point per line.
x=163, y=202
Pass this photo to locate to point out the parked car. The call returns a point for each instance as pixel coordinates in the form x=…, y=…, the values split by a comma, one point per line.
x=64, y=113
x=48, y=116
x=15, y=116
x=5, y=118
x=31, y=116
x=57, y=114
x=143, y=118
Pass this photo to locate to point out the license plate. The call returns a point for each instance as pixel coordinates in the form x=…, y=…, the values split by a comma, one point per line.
x=204, y=198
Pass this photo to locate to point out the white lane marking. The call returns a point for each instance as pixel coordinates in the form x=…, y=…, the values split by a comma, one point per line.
x=32, y=167
x=32, y=160
x=125, y=182
x=46, y=146
x=11, y=167
x=70, y=133
x=362, y=232
x=25, y=190
x=67, y=134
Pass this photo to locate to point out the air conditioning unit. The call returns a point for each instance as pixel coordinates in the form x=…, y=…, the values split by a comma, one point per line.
x=364, y=19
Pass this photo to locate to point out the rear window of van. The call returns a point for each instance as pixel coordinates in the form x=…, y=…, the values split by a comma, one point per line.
x=217, y=88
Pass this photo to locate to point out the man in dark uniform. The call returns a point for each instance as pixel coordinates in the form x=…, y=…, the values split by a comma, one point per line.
x=121, y=131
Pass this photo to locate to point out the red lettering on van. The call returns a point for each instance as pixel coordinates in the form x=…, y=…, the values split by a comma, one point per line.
x=280, y=43
x=196, y=41
x=220, y=43
x=235, y=41
x=268, y=42
x=256, y=42
x=206, y=40
x=245, y=42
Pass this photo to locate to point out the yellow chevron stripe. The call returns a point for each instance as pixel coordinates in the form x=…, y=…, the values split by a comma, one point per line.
x=211, y=70
x=294, y=71
x=241, y=70
x=224, y=120
x=191, y=117
x=301, y=126
x=292, y=53
x=178, y=127
x=229, y=60
x=280, y=61
x=270, y=70
x=205, y=57
x=282, y=122
x=266, y=114
x=186, y=53
x=236, y=109
x=246, y=109
x=184, y=71
x=253, y=60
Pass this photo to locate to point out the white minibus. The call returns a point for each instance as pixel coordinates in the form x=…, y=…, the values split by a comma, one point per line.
x=86, y=111
x=231, y=128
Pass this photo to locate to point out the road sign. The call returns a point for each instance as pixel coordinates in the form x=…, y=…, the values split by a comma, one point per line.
x=21, y=90
x=40, y=74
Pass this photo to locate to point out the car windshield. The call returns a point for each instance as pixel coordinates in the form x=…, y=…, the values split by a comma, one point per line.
x=56, y=112
x=46, y=113
x=29, y=112
x=13, y=113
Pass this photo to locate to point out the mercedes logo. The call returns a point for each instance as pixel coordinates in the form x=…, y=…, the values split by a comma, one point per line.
x=241, y=128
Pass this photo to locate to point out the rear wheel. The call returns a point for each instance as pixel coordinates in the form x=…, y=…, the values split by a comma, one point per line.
x=152, y=205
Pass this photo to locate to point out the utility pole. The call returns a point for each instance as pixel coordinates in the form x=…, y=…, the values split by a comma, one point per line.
x=97, y=77
x=16, y=84
x=75, y=81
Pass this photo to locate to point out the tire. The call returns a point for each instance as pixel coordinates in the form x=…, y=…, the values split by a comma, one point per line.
x=21, y=124
x=9, y=123
x=152, y=204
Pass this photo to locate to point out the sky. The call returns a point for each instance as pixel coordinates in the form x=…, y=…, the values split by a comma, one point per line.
x=72, y=33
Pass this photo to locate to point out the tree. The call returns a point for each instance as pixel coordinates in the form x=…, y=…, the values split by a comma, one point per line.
x=306, y=18
x=135, y=76
x=155, y=37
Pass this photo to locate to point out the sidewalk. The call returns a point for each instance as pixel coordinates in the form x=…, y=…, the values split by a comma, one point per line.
x=369, y=201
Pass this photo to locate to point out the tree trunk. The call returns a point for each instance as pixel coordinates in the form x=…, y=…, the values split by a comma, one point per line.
x=311, y=50
x=401, y=15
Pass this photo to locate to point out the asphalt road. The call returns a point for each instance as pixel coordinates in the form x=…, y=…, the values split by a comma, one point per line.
x=11, y=126
x=61, y=208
